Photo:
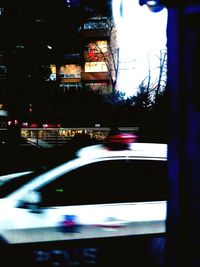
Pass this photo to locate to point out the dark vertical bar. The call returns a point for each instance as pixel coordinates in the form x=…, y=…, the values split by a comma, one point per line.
x=183, y=221
x=173, y=86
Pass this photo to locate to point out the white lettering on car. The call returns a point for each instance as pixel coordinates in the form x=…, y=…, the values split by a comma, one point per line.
x=69, y=257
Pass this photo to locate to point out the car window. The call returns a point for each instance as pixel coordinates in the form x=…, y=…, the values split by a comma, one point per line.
x=109, y=182
x=9, y=186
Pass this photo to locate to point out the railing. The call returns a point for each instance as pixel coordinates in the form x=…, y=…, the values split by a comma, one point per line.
x=58, y=137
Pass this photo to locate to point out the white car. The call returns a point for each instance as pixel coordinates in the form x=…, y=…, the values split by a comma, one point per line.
x=102, y=193
x=7, y=177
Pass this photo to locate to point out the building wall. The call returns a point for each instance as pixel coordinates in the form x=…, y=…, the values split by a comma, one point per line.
x=91, y=71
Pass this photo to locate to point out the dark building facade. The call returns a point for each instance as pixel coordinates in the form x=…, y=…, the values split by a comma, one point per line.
x=46, y=51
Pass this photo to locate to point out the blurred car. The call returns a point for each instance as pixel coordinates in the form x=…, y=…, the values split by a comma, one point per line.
x=105, y=192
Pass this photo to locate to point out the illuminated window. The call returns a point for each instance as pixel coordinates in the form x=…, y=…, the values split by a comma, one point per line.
x=103, y=45
x=97, y=47
x=95, y=67
x=53, y=72
x=69, y=86
x=3, y=71
x=2, y=11
x=96, y=23
x=70, y=71
x=53, y=68
x=96, y=51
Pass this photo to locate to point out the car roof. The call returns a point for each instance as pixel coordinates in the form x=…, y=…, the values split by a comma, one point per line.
x=137, y=150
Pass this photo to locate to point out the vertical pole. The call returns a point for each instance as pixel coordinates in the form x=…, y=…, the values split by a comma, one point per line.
x=173, y=82
x=183, y=215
